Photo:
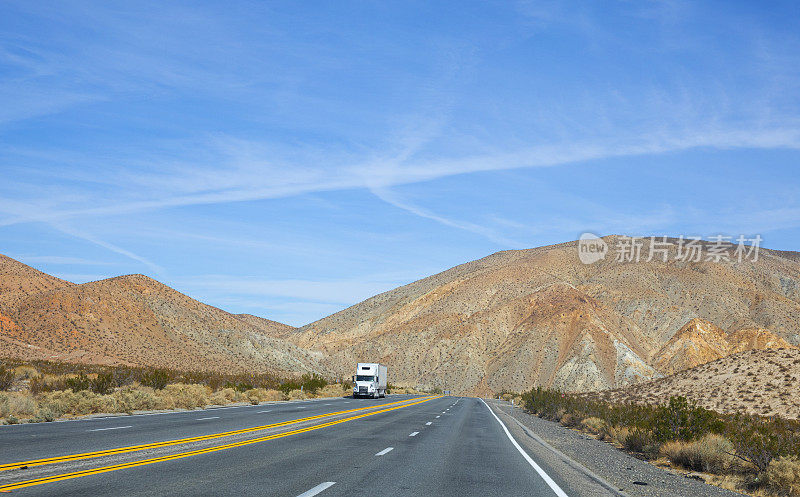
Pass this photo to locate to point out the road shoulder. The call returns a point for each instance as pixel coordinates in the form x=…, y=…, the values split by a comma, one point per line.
x=595, y=467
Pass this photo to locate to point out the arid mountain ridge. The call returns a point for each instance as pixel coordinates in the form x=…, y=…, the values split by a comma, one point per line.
x=518, y=319
x=509, y=321
x=133, y=320
x=762, y=382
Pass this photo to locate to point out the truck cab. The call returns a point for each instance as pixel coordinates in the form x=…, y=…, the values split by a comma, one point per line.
x=369, y=380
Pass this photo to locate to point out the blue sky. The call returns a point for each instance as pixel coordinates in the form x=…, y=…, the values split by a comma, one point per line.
x=290, y=159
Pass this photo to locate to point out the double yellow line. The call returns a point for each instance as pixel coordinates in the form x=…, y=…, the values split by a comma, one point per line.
x=168, y=443
x=116, y=467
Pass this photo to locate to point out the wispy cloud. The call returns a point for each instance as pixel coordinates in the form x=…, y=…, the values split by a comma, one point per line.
x=343, y=291
x=109, y=246
x=56, y=259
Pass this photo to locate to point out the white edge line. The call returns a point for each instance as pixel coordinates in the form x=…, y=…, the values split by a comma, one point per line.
x=385, y=451
x=552, y=484
x=414, y=434
x=112, y=428
x=319, y=488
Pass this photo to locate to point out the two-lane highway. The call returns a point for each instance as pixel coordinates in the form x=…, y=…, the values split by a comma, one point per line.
x=393, y=446
x=31, y=441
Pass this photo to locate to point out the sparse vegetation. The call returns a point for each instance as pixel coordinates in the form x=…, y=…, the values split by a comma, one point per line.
x=759, y=453
x=6, y=378
x=43, y=391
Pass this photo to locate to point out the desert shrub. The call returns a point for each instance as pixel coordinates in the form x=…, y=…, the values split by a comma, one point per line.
x=332, y=390
x=257, y=395
x=6, y=378
x=134, y=398
x=297, y=395
x=103, y=383
x=308, y=383
x=570, y=420
x=18, y=404
x=182, y=395
x=593, y=425
x=783, y=475
x=608, y=432
x=758, y=441
x=680, y=420
x=225, y=396
x=637, y=440
x=76, y=403
x=711, y=454
x=156, y=379
x=78, y=383
x=55, y=374
x=26, y=372
x=44, y=415
x=240, y=386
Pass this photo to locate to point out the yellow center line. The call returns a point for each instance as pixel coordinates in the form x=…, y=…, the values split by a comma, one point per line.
x=181, y=455
x=168, y=443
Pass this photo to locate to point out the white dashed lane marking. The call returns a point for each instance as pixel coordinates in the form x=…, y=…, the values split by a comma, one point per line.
x=319, y=488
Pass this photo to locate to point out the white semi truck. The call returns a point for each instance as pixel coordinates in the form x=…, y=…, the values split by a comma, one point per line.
x=370, y=380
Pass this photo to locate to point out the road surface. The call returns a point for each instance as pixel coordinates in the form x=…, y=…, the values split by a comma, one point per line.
x=400, y=445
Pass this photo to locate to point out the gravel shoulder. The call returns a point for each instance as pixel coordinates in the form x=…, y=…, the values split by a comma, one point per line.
x=605, y=469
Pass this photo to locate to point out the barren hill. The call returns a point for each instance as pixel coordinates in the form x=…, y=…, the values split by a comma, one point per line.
x=268, y=326
x=764, y=382
x=138, y=321
x=517, y=319
x=18, y=279
x=700, y=342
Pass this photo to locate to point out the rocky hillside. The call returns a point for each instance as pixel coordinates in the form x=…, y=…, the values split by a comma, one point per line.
x=700, y=342
x=134, y=320
x=518, y=319
x=764, y=382
x=18, y=280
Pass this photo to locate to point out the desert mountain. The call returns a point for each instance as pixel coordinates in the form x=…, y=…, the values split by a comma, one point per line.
x=268, y=326
x=764, y=382
x=518, y=319
x=699, y=342
x=133, y=320
x=17, y=280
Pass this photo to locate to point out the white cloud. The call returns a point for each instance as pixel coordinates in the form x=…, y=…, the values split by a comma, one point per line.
x=320, y=291
x=57, y=259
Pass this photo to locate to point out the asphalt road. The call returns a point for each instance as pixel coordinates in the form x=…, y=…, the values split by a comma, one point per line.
x=440, y=446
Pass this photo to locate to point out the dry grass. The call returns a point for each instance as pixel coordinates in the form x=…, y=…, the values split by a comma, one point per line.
x=36, y=405
x=226, y=396
x=26, y=373
x=710, y=454
x=783, y=475
x=258, y=395
x=593, y=425
x=297, y=395
x=332, y=390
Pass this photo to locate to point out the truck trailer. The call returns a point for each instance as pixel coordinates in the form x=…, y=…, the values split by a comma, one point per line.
x=370, y=380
